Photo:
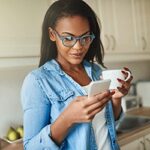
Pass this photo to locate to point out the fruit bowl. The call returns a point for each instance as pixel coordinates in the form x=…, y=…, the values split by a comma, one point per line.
x=14, y=135
x=12, y=142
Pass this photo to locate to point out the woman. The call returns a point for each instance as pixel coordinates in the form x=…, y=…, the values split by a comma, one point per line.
x=57, y=112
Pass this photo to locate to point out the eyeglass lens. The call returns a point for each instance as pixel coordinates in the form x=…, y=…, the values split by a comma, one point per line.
x=84, y=40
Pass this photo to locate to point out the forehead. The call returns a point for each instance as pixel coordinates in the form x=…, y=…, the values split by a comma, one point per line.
x=75, y=25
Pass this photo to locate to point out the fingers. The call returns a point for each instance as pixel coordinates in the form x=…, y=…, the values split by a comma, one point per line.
x=93, y=113
x=126, y=74
x=91, y=110
x=123, y=90
x=101, y=77
x=127, y=83
x=100, y=104
x=94, y=99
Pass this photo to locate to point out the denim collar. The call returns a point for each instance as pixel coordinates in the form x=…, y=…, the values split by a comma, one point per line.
x=53, y=65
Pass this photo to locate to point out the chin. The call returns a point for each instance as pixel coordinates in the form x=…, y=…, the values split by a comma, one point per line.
x=76, y=61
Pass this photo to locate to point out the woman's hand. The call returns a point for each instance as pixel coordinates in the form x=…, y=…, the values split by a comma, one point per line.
x=121, y=92
x=83, y=109
x=124, y=89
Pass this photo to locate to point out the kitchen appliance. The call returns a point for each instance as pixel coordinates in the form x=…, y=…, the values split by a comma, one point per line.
x=130, y=102
x=143, y=91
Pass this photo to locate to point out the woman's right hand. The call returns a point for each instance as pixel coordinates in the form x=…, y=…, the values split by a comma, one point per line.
x=83, y=108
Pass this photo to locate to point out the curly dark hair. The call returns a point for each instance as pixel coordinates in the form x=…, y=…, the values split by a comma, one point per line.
x=68, y=8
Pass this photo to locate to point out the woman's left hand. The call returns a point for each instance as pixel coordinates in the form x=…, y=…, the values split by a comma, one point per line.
x=124, y=89
x=120, y=92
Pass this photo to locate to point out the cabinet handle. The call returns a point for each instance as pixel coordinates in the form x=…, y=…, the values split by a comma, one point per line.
x=148, y=140
x=108, y=41
x=144, y=43
x=143, y=145
x=108, y=45
x=114, y=42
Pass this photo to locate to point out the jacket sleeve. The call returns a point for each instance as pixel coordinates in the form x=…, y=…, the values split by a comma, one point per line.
x=36, y=109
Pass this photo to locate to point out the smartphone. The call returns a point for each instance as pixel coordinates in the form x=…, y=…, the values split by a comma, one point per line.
x=98, y=86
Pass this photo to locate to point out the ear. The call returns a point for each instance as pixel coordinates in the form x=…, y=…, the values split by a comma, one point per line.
x=52, y=35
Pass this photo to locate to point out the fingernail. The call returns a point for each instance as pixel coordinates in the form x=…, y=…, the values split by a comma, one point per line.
x=122, y=86
x=118, y=88
x=119, y=79
x=112, y=92
x=125, y=68
x=123, y=72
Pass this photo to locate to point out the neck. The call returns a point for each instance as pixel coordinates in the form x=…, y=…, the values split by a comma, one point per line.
x=70, y=67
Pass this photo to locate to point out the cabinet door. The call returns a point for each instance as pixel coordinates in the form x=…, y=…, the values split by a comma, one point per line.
x=125, y=33
x=20, y=27
x=146, y=17
x=135, y=145
x=147, y=142
x=142, y=13
x=106, y=15
x=118, y=26
x=93, y=5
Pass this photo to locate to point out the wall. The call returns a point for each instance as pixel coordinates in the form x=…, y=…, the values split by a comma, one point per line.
x=20, y=35
x=10, y=105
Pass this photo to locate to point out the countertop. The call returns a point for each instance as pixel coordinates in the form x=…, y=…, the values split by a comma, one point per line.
x=124, y=138
x=15, y=146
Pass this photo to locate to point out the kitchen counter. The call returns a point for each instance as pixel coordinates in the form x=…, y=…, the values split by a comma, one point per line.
x=124, y=138
x=6, y=146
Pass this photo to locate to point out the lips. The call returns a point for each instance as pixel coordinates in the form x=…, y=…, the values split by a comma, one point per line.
x=76, y=55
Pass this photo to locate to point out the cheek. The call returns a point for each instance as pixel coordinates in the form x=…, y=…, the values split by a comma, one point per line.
x=61, y=48
x=59, y=45
x=86, y=49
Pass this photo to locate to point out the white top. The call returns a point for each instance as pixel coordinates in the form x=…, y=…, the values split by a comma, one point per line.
x=100, y=129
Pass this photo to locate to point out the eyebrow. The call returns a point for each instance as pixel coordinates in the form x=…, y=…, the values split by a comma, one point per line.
x=74, y=35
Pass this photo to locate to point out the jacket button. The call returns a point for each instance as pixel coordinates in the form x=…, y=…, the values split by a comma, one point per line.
x=114, y=141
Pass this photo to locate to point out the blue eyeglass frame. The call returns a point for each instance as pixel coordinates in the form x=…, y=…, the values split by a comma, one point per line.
x=62, y=38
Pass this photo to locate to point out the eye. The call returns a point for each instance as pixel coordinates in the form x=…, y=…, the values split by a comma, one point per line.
x=68, y=38
x=86, y=38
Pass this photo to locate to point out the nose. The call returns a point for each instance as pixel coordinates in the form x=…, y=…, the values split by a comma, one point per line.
x=77, y=45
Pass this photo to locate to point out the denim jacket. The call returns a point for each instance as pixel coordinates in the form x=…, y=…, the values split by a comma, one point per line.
x=45, y=93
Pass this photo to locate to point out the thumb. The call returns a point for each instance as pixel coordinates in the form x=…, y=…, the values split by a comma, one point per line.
x=101, y=77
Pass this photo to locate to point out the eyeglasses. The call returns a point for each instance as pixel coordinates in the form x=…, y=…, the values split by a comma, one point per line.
x=70, y=41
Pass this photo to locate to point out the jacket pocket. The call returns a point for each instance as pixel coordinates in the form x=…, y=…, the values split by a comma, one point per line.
x=61, y=96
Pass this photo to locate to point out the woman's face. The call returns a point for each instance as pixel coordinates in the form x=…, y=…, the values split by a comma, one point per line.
x=67, y=27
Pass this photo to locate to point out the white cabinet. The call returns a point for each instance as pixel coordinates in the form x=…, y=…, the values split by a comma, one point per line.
x=147, y=142
x=142, y=143
x=93, y=5
x=135, y=145
x=118, y=26
x=20, y=27
x=106, y=15
x=20, y=31
x=125, y=29
x=142, y=15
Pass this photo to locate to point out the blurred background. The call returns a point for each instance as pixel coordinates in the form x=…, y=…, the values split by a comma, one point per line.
x=125, y=26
